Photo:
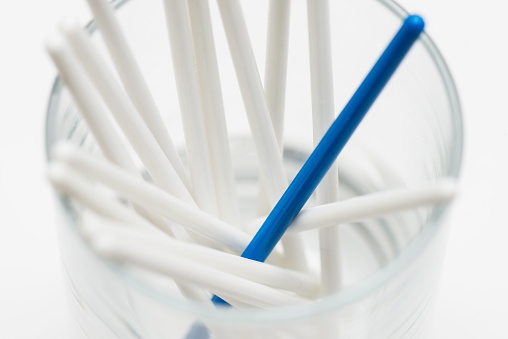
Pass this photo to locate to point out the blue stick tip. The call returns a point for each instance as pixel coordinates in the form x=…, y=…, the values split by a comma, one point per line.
x=414, y=23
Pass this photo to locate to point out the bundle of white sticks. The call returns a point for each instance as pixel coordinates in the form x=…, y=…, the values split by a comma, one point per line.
x=135, y=226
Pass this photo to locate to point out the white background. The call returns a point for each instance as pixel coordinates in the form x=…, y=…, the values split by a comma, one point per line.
x=473, y=295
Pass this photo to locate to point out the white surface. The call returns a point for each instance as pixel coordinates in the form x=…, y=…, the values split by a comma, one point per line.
x=473, y=294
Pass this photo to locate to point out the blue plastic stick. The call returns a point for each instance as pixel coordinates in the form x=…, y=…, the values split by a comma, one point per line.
x=332, y=143
x=325, y=153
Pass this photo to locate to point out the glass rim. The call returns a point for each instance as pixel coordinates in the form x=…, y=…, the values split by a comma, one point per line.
x=342, y=298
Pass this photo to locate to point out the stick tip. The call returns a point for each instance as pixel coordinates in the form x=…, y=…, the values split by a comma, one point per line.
x=54, y=44
x=62, y=151
x=69, y=26
x=448, y=188
x=106, y=246
x=90, y=226
x=56, y=173
x=414, y=23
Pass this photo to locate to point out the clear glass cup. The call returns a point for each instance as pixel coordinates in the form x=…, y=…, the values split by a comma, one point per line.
x=391, y=265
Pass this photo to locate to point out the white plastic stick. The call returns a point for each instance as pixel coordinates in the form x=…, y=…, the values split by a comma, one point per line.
x=374, y=205
x=134, y=128
x=262, y=273
x=277, y=37
x=189, y=97
x=86, y=100
x=254, y=98
x=107, y=138
x=270, y=160
x=111, y=91
x=323, y=114
x=94, y=113
x=189, y=271
x=152, y=198
x=369, y=206
x=92, y=223
x=68, y=182
x=133, y=80
x=277, y=41
x=213, y=108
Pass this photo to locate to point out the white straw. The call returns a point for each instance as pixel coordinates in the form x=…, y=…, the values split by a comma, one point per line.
x=133, y=80
x=65, y=180
x=270, y=160
x=323, y=113
x=153, y=198
x=94, y=114
x=92, y=223
x=189, y=97
x=254, y=98
x=262, y=273
x=189, y=271
x=277, y=41
x=369, y=206
x=89, y=106
x=68, y=182
x=374, y=205
x=277, y=37
x=134, y=128
x=213, y=108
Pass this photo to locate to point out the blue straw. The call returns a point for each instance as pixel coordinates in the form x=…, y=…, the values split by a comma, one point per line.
x=325, y=153
x=332, y=143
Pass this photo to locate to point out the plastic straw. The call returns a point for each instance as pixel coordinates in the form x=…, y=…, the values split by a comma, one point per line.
x=133, y=80
x=189, y=271
x=133, y=126
x=369, y=206
x=270, y=160
x=253, y=95
x=261, y=273
x=213, y=108
x=153, y=199
x=277, y=41
x=68, y=182
x=374, y=205
x=323, y=113
x=92, y=110
x=187, y=85
x=95, y=114
x=333, y=142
